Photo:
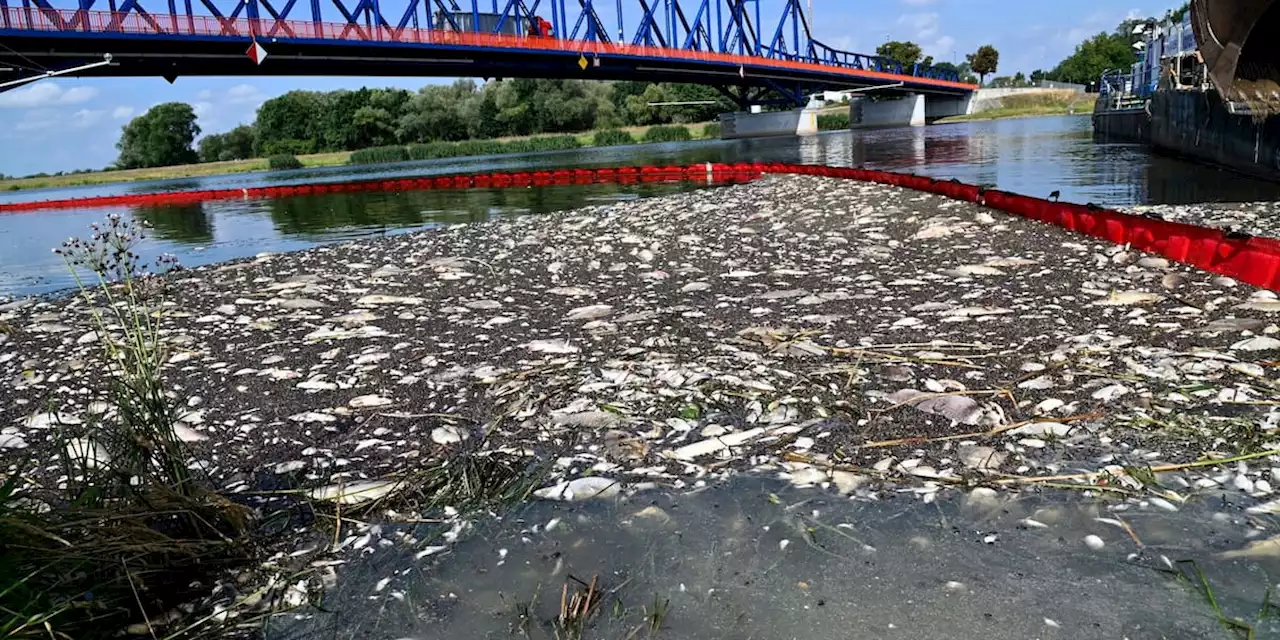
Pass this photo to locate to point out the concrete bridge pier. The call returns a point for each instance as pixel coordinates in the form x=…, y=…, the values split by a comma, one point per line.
x=757, y=124
x=913, y=109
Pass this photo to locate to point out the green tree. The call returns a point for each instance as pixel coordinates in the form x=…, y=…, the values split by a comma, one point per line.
x=160, y=137
x=298, y=116
x=1177, y=14
x=435, y=113
x=337, y=129
x=1037, y=76
x=238, y=143
x=639, y=111
x=210, y=147
x=696, y=112
x=983, y=61
x=908, y=53
x=486, y=124
x=1100, y=53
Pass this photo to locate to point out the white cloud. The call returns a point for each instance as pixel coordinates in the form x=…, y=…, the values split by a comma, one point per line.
x=918, y=3
x=245, y=94
x=202, y=108
x=45, y=94
x=925, y=25
x=85, y=118
x=204, y=94
x=121, y=112
x=940, y=49
x=36, y=120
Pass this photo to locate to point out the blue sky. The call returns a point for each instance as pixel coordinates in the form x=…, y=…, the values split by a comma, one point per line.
x=67, y=124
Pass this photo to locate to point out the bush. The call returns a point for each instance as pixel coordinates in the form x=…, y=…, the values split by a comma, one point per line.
x=283, y=161
x=378, y=155
x=833, y=122
x=288, y=147
x=556, y=143
x=432, y=150
x=612, y=138
x=133, y=529
x=668, y=134
x=711, y=131
x=435, y=150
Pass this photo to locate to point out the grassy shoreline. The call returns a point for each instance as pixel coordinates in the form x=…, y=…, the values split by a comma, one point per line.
x=586, y=139
x=1033, y=105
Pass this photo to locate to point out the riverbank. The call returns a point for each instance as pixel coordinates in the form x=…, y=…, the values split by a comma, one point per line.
x=316, y=160
x=1035, y=105
x=866, y=339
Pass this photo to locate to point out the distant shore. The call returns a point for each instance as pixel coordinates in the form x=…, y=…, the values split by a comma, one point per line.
x=310, y=161
x=1033, y=105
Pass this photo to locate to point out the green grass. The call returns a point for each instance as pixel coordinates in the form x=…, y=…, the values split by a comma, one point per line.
x=1189, y=573
x=165, y=173
x=1029, y=105
x=135, y=531
x=833, y=121
x=711, y=131
x=414, y=152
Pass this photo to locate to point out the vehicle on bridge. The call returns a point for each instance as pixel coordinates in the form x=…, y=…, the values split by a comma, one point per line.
x=497, y=23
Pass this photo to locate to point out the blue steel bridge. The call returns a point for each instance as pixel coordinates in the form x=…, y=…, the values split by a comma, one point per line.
x=746, y=48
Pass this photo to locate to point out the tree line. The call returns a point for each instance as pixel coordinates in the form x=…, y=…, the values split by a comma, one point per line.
x=983, y=61
x=1104, y=51
x=302, y=122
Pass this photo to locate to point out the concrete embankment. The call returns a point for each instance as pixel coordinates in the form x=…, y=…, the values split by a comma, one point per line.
x=785, y=325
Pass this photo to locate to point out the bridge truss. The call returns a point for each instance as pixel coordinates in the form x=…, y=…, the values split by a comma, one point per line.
x=745, y=47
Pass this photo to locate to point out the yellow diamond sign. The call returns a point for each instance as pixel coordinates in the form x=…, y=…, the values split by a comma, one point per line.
x=582, y=61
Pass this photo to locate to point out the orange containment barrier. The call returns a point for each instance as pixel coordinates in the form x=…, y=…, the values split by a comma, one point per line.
x=1255, y=261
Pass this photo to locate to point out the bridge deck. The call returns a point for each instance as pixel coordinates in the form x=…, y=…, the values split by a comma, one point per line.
x=175, y=45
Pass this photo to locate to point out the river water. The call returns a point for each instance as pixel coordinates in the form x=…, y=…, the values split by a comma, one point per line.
x=1033, y=156
x=755, y=558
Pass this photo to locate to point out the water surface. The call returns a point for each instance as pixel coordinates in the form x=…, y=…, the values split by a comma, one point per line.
x=1035, y=156
x=756, y=558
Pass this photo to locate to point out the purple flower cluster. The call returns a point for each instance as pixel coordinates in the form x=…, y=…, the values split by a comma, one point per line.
x=110, y=251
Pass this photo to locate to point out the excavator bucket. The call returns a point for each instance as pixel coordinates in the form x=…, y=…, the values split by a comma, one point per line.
x=1237, y=39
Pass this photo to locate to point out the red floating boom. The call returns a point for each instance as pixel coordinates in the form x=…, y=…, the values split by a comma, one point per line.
x=1255, y=261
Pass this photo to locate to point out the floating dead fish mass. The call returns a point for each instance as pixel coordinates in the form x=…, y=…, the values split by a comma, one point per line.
x=789, y=325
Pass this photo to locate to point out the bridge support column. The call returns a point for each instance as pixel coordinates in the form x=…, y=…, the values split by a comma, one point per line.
x=946, y=106
x=797, y=122
x=909, y=110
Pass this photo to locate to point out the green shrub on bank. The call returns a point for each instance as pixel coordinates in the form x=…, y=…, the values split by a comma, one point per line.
x=432, y=151
x=711, y=131
x=437, y=150
x=288, y=147
x=134, y=528
x=668, y=134
x=833, y=122
x=612, y=138
x=283, y=161
x=376, y=155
